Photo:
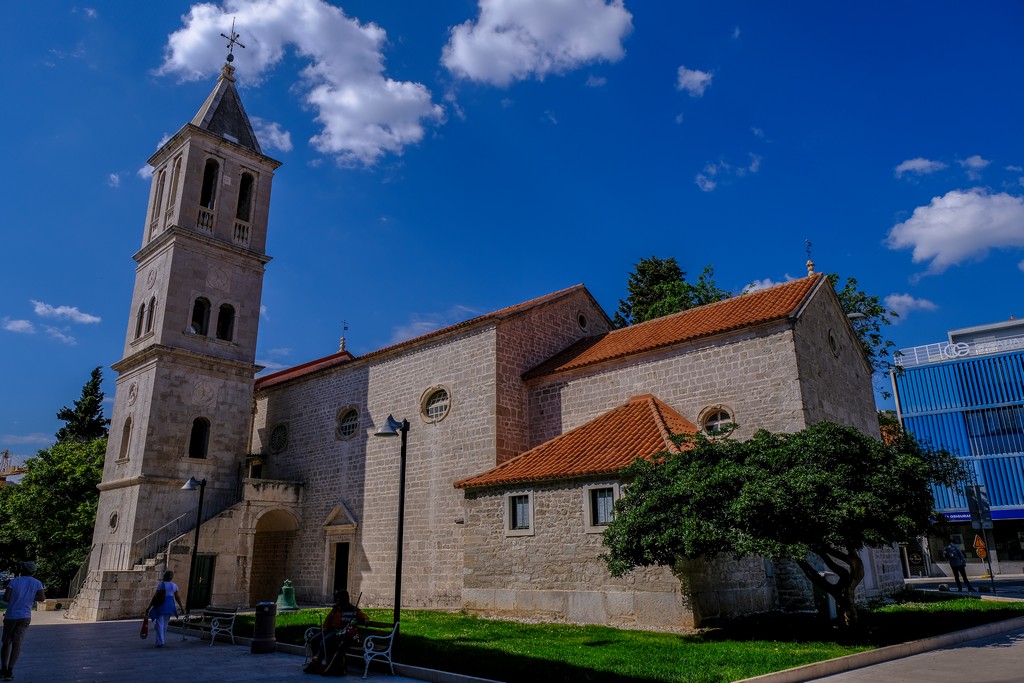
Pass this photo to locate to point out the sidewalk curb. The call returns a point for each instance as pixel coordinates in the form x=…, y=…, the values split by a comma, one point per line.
x=829, y=667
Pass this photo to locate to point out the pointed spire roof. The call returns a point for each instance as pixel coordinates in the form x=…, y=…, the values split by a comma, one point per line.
x=223, y=114
x=639, y=429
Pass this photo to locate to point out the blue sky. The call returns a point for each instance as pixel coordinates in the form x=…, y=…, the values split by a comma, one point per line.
x=445, y=159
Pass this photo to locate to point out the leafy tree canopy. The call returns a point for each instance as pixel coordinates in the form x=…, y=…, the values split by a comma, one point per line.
x=827, y=490
x=85, y=422
x=49, y=516
x=869, y=317
x=658, y=287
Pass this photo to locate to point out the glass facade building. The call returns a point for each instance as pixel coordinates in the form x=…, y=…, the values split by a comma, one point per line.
x=966, y=395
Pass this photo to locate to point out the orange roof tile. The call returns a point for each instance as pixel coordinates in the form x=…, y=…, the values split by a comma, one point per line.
x=343, y=357
x=606, y=444
x=762, y=306
x=306, y=368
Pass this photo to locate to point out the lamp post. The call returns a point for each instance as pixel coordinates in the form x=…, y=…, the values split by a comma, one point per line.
x=393, y=428
x=191, y=485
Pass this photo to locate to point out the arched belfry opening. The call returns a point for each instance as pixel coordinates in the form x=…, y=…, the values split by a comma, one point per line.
x=271, y=553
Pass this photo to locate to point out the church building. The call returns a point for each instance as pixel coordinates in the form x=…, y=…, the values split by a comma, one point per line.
x=519, y=423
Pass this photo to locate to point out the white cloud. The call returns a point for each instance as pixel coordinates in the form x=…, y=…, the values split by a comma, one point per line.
x=35, y=437
x=960, y=225
x=44, y=310
x=425, y=324
x=735, y=32
x=22, y=326
x=270, y=135
x=715, y=172
x=918, y=166
x=1021, y=265
x=363, y=113
x=692, y=81
x=513, y=40
x=60, y=335
x=974, y=164
x=146, y=172
x=549, y=116
x=90, y=12
x=757, y=132
x=759, y=284
x=263, y=312
x=114, y=180
x=596, y=81
x=905, y=303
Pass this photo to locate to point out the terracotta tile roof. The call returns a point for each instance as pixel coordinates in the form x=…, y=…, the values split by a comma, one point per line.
x=331, y=361
x=606, y=444
x=343, y=357
x=745, y=310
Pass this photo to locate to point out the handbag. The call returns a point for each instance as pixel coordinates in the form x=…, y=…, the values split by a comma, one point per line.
x=159, y=596
x=145, y=628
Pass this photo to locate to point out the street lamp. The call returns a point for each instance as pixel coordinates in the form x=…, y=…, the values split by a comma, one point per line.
x=191, y=485
x=392, y=428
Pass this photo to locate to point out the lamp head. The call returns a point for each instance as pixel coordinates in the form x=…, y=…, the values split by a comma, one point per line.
x=192, y=484
x=391, y=427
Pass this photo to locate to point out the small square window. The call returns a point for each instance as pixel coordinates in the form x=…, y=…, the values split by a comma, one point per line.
x=598, y=504
x=518, y=514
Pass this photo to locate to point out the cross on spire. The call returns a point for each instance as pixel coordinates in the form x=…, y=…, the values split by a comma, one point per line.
x=232, y=41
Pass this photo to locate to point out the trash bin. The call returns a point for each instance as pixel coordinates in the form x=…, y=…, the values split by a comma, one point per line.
x=263, y=639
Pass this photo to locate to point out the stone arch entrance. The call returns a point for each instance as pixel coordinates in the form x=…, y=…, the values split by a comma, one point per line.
x=271, y=553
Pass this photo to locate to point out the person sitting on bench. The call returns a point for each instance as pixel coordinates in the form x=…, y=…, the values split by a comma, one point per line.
x=337, y=633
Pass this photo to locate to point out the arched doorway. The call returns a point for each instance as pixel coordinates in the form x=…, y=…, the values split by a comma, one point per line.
x=271, y=553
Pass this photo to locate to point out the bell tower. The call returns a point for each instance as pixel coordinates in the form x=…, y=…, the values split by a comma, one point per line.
x=184, y=393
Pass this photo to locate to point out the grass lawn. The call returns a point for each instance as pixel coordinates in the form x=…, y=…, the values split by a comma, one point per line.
x=510, y=651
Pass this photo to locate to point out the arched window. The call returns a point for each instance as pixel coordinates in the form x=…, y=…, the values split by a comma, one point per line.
x=175, y=172
x=200, y=438
x=126, y=436
x=200, y=317
x=245, y=187
x=226, y=322
x=141, y=317
x=158, y=197
x=149, y=315
x=208, y=195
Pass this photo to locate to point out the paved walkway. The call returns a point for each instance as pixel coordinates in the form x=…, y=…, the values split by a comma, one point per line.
x=996, y=659
x=57, y=649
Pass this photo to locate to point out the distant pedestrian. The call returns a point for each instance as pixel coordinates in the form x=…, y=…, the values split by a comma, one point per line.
x=21, y=592
x=958, y=563
x=162, y=612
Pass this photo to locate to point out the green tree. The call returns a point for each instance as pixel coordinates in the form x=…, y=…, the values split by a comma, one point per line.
x=826, y=491
x=85, y=422
x=50, y=514
x=658, y=287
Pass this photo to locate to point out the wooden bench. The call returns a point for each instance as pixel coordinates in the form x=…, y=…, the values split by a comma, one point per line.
x=212, y=620
x=376, y=640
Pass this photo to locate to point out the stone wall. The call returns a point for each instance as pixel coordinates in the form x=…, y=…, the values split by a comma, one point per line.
x=556, y=573
x=360, y=473
x=753, y=373
x=524, y=341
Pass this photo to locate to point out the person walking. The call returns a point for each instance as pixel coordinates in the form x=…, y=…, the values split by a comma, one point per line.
x=162, y=611
x=958, y=563
x=21, y=592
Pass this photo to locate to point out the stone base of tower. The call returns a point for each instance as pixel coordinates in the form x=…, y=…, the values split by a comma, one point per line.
x=117, y=594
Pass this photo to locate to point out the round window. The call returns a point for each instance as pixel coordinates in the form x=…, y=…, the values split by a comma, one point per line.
x=833, y=344
x=581, y=320
x=436, y=406
x=279, y=438
x=717, y=422
x=348, y=422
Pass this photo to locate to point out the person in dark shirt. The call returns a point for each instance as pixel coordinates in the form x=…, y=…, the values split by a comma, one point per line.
x=336, y=634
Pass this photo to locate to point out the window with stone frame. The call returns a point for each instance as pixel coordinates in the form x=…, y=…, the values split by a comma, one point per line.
x=598, y=501
x=348, y=423
x=199, y=439
x=519, y=514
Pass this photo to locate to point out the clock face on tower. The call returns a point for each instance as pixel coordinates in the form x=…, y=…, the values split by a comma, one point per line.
x=218, y=279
